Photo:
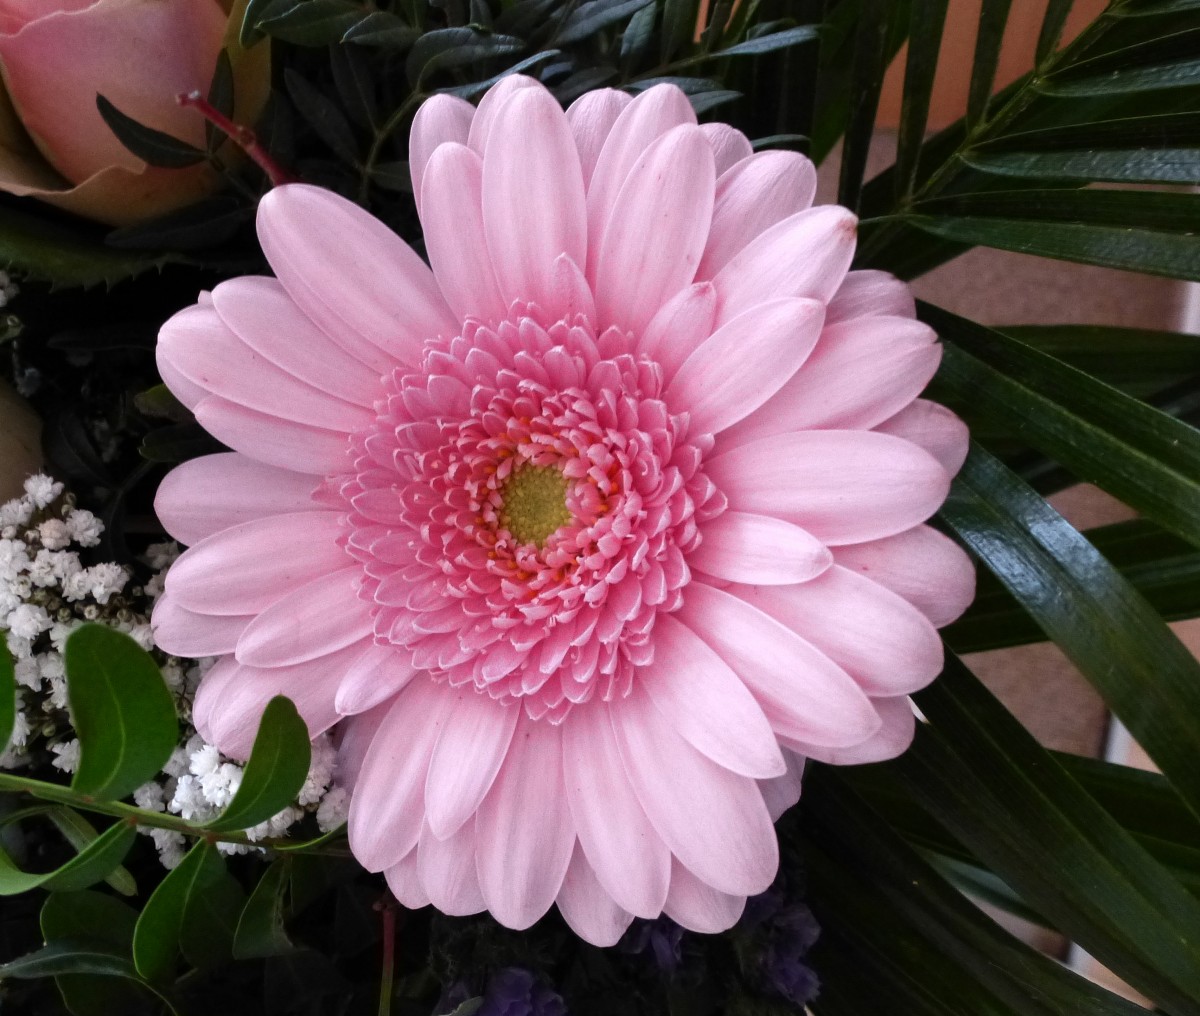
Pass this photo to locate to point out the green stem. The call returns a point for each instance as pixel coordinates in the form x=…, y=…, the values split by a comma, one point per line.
x=390, y=126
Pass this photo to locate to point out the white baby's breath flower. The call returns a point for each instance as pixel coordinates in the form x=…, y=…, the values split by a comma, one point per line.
x=333, y=809
x=42, y=490
x=67, y=756
x=28, y=621
x=84, y=527
x=54, y=534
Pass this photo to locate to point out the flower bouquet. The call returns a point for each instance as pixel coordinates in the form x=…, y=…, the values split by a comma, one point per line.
x=482, y=535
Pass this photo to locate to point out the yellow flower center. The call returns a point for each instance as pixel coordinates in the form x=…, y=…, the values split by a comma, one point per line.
x=534, y=503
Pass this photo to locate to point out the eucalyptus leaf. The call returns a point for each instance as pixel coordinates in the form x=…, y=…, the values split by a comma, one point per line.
x=123, y=713
x=154, y=147
x=275, y=772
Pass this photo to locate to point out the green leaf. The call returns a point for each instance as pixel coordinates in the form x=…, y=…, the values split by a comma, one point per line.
x=323, y=115
x=594, y=16
x=1053, y=22
x=982, y=775
x=990, y=34
x=210, y=919
x=866, y=83
x=275, y=772
x=8, y=697
x=770, y=42
x=313, y=22
x=638, y=34
x=898, y=939
x=928, y=20
x=258, y=11
x=156, y=939
x=446, y=48
x=678, y=26
x=260, y=929
x=177, y=443
x=79, y=832
x=383, y=29
x=88, y=916
x=1105, y=627
x=152, y=146
x=1141, y=456
x=124, y=714
x=92, y=864
x=1120, y=165
x=69, y=957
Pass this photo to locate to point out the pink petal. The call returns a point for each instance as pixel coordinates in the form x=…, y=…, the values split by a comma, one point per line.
x=489, y=106
x=713, y=820
x=524, y=831
x=404, y=880
x=870, y=293
x=310, y=621
x=233, y=719
x=928, y=569
x=318, y=243
x=533, y=202
x=861, y=373
x=753, y=196
x=627, y=855
x=591, y=117
x=208, y=694
x=214, y=492
x=649, y=116
x=680, y=326
x=262, y=315
x=697, y=906
x=374, y=676
x=758, y=550
x=783, y=792
x=880, y=639
x=245, y=569
x=467, y=758
x=842, y=486
x=730, y=146
x=744, y=363
x=354, y=737
x=447, y=871
x=934, y=428
x=273, y=441
x=806, y=254
x=708, y=705
x=454, y=230
x=587, y=908
x=892, y=739
x=183, y=633
x=387, y=807
x=442, y=119
x=187, y=392
x=804, y=694
x=655, y=234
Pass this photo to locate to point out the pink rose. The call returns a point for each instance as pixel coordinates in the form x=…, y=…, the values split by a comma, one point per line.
x=56, y=55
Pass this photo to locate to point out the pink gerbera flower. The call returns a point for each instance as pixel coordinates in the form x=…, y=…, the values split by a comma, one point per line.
x=594, y=531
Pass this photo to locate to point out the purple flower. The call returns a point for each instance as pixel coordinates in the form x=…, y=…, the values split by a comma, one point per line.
x=661, y=937
x=790, y=931
x=516, y=992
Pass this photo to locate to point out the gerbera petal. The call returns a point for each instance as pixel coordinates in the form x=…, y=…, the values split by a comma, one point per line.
x=880, y=639
x=708, y=705
x=868, y=293
x=208, y=694
x=184, y=633
x=591, y=117
x=758, y=550
x=713, y=820
x=753, y=196
x=587, y=908
x=934, y=428
x=533, y=201
x=274, y=441
x=355, y=734
x=860, y=374
x=842, y=486
x=263, y=316
x=452, y=214
x=806, y=254
x=697, y=906
x=203, y=496
x=187, y=392
x=245, y=569
x=782, y=792
x=730, y=146
x=768, y=343
x=447, y=871
x=387, y=808
x=404, y=880
x=892, y=738
x=655, y=234
x=629, y=858
x=318, y=243
x=649, y=116
x=804, y=694
x=524, y=831
x=442, y=119
x=374, y=676
x=680, y=326
x=928, y=569
x=467, y=758
x=489, y=106
x=322, y=615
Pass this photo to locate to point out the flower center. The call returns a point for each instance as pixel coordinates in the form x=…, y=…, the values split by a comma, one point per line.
x=534, y=503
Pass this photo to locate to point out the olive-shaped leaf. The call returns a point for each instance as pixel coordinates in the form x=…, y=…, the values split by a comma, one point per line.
x=92, y=864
